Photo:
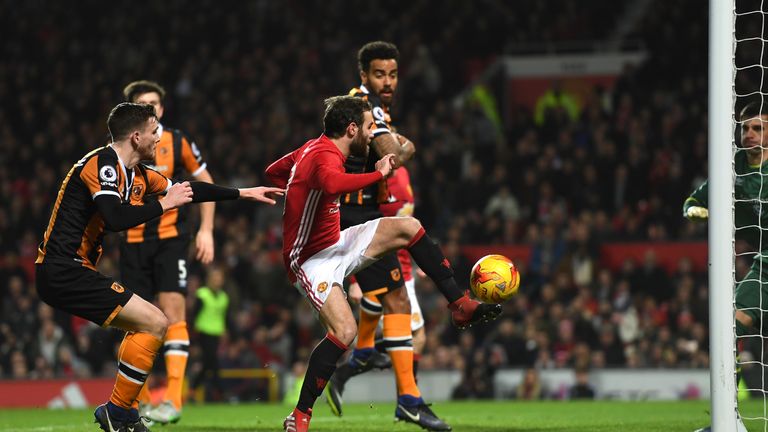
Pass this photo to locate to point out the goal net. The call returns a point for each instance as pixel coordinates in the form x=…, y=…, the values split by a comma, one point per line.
x=738, y=194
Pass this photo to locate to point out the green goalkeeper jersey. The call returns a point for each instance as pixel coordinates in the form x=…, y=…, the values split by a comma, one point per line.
x=751, y=195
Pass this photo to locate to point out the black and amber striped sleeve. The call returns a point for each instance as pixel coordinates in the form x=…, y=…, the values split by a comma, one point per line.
x=191, y=157
x=156, y=182
x=101, y=176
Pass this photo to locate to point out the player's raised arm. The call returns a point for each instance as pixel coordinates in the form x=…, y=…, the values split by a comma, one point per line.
x=203, y=192
x=407, y=148
x=331, y=178
x=119, y=217
x=262, y=194
x=279, y=171
x=695, y=208
x=389, y=143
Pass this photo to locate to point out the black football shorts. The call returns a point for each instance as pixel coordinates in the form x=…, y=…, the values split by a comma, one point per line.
x=80, y=291
x=154, y=266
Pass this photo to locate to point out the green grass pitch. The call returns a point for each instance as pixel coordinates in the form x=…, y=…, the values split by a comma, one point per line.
x=474, y=416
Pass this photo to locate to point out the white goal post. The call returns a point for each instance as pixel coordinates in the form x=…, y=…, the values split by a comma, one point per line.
x=721, y=239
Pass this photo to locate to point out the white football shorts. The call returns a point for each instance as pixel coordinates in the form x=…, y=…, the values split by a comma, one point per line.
x=331, y=265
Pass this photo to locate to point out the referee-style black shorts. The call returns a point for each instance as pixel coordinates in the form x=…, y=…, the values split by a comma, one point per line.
x=384, y=275
x=155, y=266
x=80, y=291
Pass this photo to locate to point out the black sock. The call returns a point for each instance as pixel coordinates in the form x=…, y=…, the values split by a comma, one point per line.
x=322, y=364
x=432, y=261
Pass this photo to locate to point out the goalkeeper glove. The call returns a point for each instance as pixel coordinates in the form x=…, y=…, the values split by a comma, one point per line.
x=696, y=212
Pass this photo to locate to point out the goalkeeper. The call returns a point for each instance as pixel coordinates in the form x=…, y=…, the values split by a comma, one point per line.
x=750, y=192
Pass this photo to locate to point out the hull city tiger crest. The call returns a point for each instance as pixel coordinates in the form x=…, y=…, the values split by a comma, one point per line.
x=395, y=274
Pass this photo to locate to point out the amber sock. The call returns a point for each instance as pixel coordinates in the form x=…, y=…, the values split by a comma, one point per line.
x=176, y=352
x=135, y=358
x=369, y=320
x=398, y=341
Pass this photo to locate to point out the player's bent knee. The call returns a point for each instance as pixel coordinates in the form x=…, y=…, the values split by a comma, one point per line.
x=173, y=305
x=411, y=226
x=346, y=334
x=158, y=324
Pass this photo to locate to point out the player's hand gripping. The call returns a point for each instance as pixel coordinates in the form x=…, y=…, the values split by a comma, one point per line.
x=386, y=165
x=697, y=213
x=178, y=195
x=261, y=194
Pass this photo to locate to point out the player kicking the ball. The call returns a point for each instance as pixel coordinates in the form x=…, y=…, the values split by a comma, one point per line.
x=318, y=255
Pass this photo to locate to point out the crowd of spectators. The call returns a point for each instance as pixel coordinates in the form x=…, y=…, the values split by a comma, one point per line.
x=246, y=83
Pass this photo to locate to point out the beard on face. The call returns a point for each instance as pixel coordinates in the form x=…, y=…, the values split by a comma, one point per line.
x=359, y=146
x=146, y=152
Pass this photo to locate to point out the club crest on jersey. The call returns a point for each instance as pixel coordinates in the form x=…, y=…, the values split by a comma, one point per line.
x=137, y=190
x=108, y=173
x=395, y=274
x=322, y=287
x=116, y=287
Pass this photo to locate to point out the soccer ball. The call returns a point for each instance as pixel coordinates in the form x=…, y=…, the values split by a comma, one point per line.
x=494, y=279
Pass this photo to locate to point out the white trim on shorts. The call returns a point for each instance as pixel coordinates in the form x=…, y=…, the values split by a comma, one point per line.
x=331, y=265
x=417, y=318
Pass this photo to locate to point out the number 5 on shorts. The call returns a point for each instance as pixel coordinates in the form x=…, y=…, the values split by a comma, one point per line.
x=182, y=273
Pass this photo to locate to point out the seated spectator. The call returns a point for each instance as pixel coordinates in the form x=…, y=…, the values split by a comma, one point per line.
x=582, y=389
x=530, y=387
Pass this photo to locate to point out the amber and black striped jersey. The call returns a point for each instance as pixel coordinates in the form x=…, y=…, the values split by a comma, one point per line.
x=377, y=193
x=76, y=227
x=174, y=154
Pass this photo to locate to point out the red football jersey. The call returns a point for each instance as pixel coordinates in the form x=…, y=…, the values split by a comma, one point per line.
x=400, y=203
x=314, y=176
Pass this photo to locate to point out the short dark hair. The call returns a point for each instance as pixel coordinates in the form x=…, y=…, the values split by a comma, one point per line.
x=378, y=50
x=138, y=88
x=340, y=111
x=126, y=117
x=753, y=109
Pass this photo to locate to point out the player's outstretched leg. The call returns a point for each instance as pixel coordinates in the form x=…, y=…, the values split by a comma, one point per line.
x=146, y=326
x=363, y=358
x=136, y=356
x=176, y=351
x=338, y=319
x=410, y=405
x=395, y=233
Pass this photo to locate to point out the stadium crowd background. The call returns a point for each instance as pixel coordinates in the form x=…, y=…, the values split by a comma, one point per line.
x=246, y=82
